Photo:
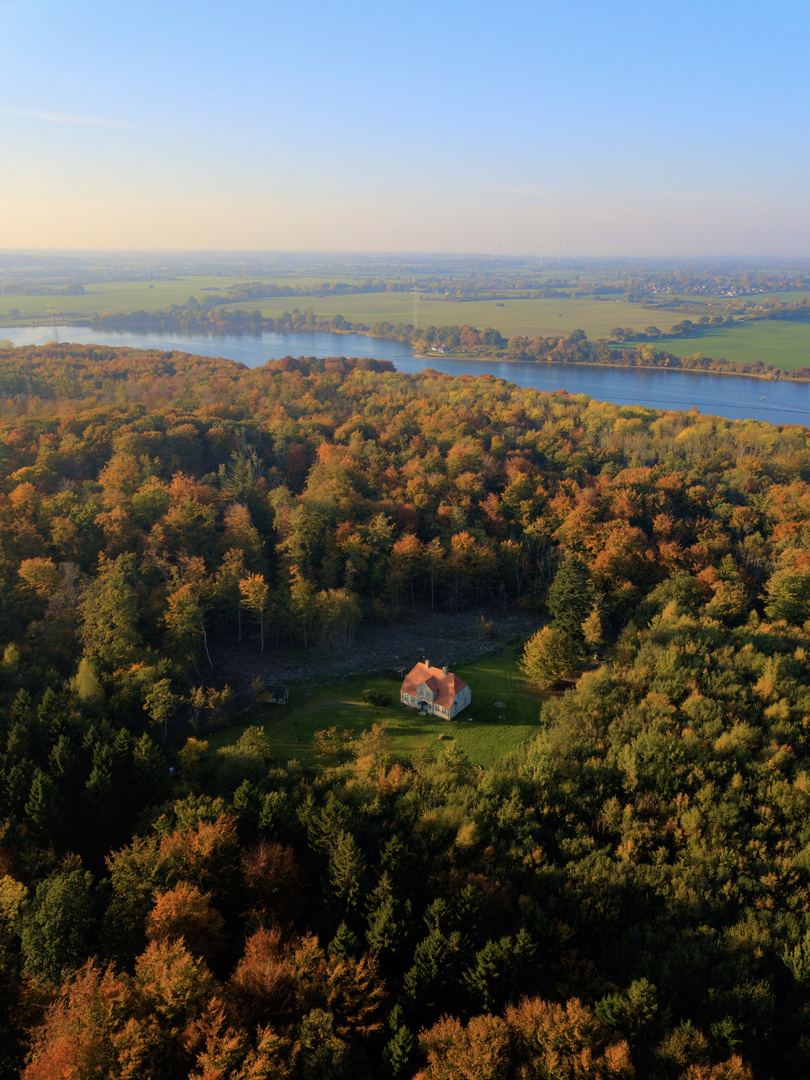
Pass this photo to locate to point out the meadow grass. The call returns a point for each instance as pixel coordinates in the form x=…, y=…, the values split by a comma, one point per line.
x=118, y=296
x=785, y=344
x=545, y=318
x=531, y=317
x=484, y=731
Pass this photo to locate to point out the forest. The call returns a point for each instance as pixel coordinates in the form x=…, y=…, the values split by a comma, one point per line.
x=627, y=895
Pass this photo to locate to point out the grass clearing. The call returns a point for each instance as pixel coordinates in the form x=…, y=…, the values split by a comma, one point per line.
x=484, y=730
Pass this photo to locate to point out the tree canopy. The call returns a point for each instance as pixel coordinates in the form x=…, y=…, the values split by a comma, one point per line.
x=625, y=895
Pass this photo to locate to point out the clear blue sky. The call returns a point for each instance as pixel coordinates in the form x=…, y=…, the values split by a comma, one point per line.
x=623, y=128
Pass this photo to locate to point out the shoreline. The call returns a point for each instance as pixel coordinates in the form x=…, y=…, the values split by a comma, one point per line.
x=626, y=367
x=786, y=376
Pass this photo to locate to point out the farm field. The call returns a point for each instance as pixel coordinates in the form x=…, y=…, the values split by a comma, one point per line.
x=484, y=731
x=783, y=344
x=530, y=317
x=786, y=296
x=128, y=296
x=114, y=296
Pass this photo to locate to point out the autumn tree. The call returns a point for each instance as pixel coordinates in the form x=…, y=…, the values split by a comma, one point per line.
x=160, y=704
x=567, y=1039
x=255, y=593
x=407, y=560
x=227, y=595
x=548, y=656
x=93, y=1028
x=183, y=912
x=303, y=602
x=339, y=616
x=480, y=1050
x=788, y=588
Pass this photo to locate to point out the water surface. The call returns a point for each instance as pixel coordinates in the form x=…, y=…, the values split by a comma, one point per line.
x=731, y=396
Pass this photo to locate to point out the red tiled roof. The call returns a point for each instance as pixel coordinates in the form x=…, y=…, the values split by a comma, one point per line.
x=447, y=685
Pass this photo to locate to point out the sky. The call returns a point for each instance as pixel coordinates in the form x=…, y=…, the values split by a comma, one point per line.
x=593, y=128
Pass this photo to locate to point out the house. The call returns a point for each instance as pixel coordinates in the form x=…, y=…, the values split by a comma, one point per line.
x=274, y=694
x=435, y=690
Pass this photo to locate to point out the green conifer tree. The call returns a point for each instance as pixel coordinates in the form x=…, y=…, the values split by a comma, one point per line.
x=571, y=597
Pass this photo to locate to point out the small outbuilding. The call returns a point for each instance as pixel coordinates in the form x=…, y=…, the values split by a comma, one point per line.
x=435, y=690
x=274, y=694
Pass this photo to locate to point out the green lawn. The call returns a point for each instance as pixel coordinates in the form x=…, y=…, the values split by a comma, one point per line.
x=484, y=731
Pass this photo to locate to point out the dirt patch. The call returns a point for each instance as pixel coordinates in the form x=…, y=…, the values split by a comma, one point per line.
x=439, y=637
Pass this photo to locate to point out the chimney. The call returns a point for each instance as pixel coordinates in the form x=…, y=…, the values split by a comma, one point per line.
x=444, y=670
x=427, y=662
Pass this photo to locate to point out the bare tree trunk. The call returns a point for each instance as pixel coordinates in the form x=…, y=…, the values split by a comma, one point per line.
x=205, y=644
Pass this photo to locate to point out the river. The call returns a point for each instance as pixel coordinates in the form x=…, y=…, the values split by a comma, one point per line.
x=732, y=396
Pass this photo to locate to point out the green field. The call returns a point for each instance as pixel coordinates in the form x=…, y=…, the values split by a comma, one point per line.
x=484, y=731
x=783, y=344
x=531, y=317
x=787, y=297
x=115, y=296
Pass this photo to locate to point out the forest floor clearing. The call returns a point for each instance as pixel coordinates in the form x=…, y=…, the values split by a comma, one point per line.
x=504, y=711
x=441, y=637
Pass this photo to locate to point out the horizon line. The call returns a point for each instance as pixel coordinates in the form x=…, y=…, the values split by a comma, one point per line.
x=382, y=253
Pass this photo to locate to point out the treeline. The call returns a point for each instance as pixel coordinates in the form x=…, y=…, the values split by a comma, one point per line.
x=627, y=896
x=216, y=320
x=576, y=348
x=258, y=290
x=71, y=288
x=484, y=288
x=684, y=328
x=800, y=310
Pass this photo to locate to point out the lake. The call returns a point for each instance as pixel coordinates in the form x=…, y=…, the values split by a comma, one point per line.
x=731, y=396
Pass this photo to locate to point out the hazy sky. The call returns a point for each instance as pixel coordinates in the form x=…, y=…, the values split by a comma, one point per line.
x=607, y=128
